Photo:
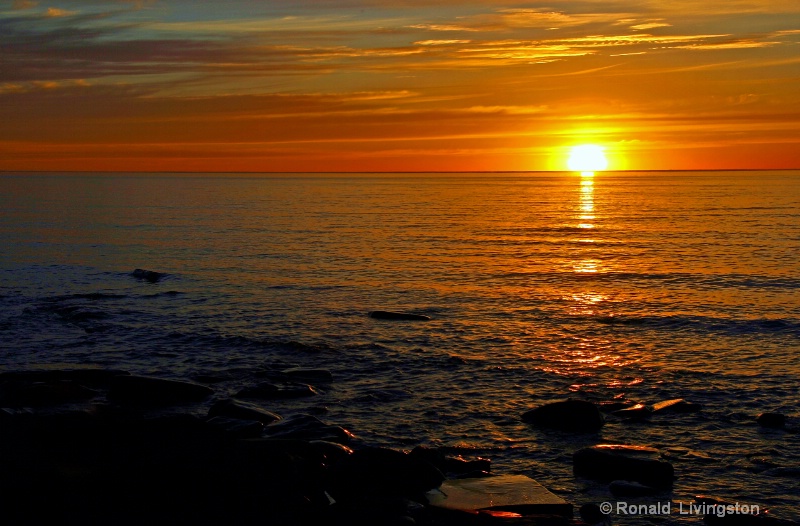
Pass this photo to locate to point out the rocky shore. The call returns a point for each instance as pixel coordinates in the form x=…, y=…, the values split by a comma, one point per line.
x=102, y=446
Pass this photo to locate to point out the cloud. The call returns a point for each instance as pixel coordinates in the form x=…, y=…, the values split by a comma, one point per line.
x=54, y=12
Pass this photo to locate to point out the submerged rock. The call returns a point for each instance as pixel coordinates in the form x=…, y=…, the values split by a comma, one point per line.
x=147, y=390
x=271, y=391
x=389, y=315
x=567, y=415
x=147, y=275
x=772, y=420
x=622, y=462
x=308, y=374
x=384, y=472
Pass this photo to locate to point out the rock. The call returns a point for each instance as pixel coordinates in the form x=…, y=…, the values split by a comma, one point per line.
x=622, y=462
x=772, y=420
x=307, y=427
x=237, y=428
x=388, y=315
x=635, y=412
x=274, y=391
x=308, y=374
x=90, y=377
x=332, y=452
x=627, y=488
x=242, y=410
x=456, y=466
x=642, y=411
x=48, y=393
x=146, y=390
x=568, y=415
x=510, y=493
x=147, y=275
x=591, y=514
x=382, y=472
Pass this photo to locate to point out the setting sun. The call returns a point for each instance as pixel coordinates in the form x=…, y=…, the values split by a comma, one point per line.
x=587, y=158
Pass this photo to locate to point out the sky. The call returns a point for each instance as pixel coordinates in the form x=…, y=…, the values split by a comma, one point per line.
x=398, y=85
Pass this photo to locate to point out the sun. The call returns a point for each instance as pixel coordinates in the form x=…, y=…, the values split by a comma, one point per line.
x=587, y=158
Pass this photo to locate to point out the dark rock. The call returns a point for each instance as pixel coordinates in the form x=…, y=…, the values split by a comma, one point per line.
x=388, y=315
x=272, y=391
x=772, y=420
x=384, y=472
x=307, y=427
x=48, y=393
x=237, y=428
x=621, y=462
x=243, y=410
x=89, y=377
x=332, y=452
x=147, y=275
x=308, y=374
x=627, y=488
x=591, y=514
x=456, y=466
x=568, y=415
x=146, y=390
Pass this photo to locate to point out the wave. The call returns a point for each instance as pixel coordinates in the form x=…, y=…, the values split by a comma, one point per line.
x=705, y=323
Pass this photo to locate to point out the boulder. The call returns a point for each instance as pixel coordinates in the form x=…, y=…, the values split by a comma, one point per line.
x=307, y=427
x=275, y=391
x=623, y=462
x=567, y=415
x=242, y=410
x=389, y=315
x=147, y=390
x=382, y=472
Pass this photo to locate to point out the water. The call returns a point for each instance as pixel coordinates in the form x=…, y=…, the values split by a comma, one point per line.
x=637, y=286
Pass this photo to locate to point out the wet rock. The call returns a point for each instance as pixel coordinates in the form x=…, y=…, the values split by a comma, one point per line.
x=772, y=420
x=634, y=412
x=89, y=377
x=147, y=275
x=384, y=472
x=307, y=427
x=568, y=415
x=591, y=514
x=276, y=391
x=622, y=462
x=389, y=315
x=627, y=488
x=237, y=428
x=332, y=452
x=642, y=411
x=454, y=466
x=50, y=393
x=242, y=410
x=307, y=374
x=509, y=493
x=146, y=390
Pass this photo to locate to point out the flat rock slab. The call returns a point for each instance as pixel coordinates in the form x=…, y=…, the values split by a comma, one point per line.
x=513, y=493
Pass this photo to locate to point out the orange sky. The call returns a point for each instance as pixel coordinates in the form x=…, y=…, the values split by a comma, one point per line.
x=376, y=85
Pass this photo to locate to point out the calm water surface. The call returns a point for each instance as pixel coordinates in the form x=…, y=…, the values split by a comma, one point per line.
x=635, y=286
